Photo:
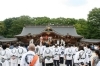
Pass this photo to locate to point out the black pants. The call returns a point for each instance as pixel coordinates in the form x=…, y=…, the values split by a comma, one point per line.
x=0, y=64
x=89, y=63
x=69, y=62
x=43, y=63
x=61, y=60
x=18, y=64
x=56, y=63
x=49, y=64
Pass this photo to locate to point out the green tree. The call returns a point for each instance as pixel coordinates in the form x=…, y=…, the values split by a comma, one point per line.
x=2, y=28
x=81, y=27
x=18, y=24
x=94, y=23
x=41, y=20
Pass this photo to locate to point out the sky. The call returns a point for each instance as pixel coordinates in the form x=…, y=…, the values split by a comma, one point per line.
x=49, y=8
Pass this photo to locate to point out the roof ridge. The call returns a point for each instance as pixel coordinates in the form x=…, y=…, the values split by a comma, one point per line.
x=47, y=25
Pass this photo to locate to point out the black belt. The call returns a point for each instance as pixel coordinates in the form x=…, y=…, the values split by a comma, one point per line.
x=20, y=57
x=82, y=58
x=48, y=56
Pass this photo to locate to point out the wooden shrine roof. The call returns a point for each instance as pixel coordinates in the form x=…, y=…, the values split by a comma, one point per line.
x=62, y=30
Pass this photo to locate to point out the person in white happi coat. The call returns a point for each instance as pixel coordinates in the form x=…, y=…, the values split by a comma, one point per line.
x=0, y=54
x=80, y=57
x=0, y=49
x=56, y=55
x=27, y=58
x=62, y=50
x=48, y=56
x=21, y=51
x=74, y=50
x=14, y=57
x=41, y=49
x=51, y=47
x=68, y=56
x=5, y=55
x=37, y=49
x=89, y=54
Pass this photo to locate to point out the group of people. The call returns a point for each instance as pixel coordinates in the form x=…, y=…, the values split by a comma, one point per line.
x=70, y=55
x=48, y=55
x=11, y=57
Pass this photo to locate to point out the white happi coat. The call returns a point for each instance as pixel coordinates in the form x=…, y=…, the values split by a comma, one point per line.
x=0, y=53
x=74, y=49
x=68, y=53
x=21, y=51
x=48, y=52
x=88, y=55
x=27, y=58
x=78, y=57
x=62, y=50
x=5, y=55
x=56, y=53
x=37, y=49
x=41, y=49
x=14, y=57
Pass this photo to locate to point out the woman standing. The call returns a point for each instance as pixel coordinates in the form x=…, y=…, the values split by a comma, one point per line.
x=96, y=59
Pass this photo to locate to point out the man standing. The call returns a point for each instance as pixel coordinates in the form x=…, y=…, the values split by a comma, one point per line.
x=30, y=58
x=21, y=51
x=56, y=55
x=5, y=55
x=41, y=49
x=68, y=56
x=48, y=55
x=62, y=50
x=14, y=56
x=89, y=54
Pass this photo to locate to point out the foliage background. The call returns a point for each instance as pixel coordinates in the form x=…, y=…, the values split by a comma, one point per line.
x=89, y=28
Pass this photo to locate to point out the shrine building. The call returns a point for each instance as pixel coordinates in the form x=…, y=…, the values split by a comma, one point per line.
x=67, y=33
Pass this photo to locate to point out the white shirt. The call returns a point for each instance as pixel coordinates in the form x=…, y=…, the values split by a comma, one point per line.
x=51, y=48
x=89, y=55
x=29, y=59
x=75, y=49
x=68, y=53
x=0, y=50
x=21, y=51
x=77, y=58
x=14, y=52
x=6, y=55
x=48, y=52
x=56, y=53
x=62, y=50
x=41, y=49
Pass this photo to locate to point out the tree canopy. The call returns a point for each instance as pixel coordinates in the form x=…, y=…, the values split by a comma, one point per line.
x=89, y=28
x=94, y=23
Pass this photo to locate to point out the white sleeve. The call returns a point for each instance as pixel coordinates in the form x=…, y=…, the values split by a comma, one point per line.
x=22, y=62
x=76, y=58
x=65, y=52
x=43, y=53
x=25, y=50
x=53, y=52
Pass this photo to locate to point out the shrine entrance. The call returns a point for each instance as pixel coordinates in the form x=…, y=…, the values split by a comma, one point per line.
x=49, y=34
